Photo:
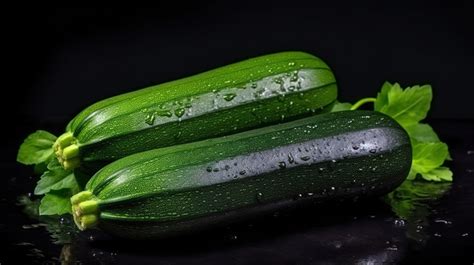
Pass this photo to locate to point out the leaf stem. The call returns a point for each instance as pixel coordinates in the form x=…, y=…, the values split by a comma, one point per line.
x=362, y=102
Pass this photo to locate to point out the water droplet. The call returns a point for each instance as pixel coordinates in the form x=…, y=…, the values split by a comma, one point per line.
x=229, y=96
x=233, y=237
x=442, y=221
x=333, y=188
x=437, y=235
x=373, y=151
x=216, y=169
x=465, y=234
x=332, y=164
x=282, y=165
x=298, y=196
x=392, y=248
x=291, y=63
x=253, y=85
x=470, y=152
x=291, y=159
x=355, y=147
x=242, y=172
x=301, y=96
x=305, y=158
x=179, y=112
x=209, y=169
x=164, y=113
x=150, y=118
x=259, y=196
x=226, y=167
x=281, y=98
x=294, y=76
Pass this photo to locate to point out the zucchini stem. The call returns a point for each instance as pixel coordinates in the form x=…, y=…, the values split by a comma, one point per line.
x=85, y=210
x=362, y=102
x=67, y=151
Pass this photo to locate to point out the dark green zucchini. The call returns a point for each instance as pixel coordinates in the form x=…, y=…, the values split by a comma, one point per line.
x=191, y=186
x=249, y=94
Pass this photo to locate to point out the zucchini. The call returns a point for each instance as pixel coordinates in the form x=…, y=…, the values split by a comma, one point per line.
x=192, y=186
x=230, y=99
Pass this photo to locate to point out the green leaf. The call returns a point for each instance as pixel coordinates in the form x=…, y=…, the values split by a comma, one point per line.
x=427, y=157
x=337, y=106
x=422, y=133
x=56, y=202
x=439, y=174
x=407, y=106
x=56, y=180
x=54, y=165
x=37, y=148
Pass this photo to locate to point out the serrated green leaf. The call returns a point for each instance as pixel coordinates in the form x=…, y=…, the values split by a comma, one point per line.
x=56, y=180
x=54, y=165
x=428, y=156
x=37, y=148
x=439, y=174
x=56, y=202
x=407, y=106
x=422, y=133
x=382, y=96
x=428, y=159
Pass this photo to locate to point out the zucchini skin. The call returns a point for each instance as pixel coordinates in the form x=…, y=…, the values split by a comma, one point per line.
x=241, y=96
x=192, y=186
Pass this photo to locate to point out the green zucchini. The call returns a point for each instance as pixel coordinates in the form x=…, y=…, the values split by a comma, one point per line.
x=249, y=94
x=192, y=186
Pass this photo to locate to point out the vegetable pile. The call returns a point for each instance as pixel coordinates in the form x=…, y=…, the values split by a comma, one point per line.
x=185, y=153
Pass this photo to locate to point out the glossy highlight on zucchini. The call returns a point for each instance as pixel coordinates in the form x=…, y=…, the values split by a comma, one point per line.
x=192, y=186
x=249, y=94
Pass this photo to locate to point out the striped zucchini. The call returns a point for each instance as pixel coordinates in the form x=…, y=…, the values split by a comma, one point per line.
x=196, y=185
x=237, y=97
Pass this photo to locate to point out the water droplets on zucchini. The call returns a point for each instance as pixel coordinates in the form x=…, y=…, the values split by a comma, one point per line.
x=282, y=164
x=179, y=112
x=229, y=96
x=150, y=118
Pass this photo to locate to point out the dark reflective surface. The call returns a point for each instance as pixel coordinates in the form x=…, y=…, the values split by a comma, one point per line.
x=417, y=224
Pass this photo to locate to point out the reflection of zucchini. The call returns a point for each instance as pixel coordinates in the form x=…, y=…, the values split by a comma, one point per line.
x=191, y=186
x=226, y=100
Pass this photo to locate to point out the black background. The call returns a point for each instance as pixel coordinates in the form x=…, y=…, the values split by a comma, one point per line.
x=65, y=59
x=58, y=61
